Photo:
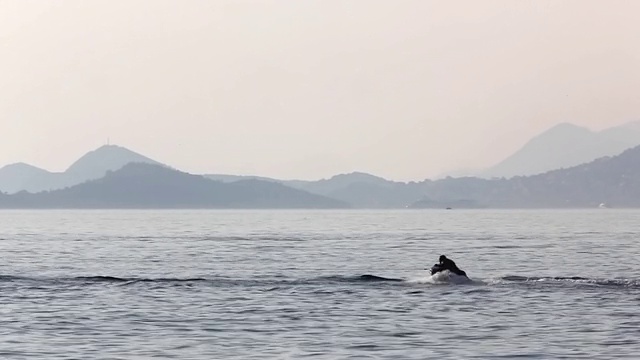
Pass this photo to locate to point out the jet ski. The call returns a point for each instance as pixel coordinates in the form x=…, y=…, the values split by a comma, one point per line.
x=436, y=269
x=439, y=268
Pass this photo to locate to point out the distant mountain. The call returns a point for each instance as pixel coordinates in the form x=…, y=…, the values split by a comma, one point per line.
x=614, y=181
x=362, y=190
x=93, y=165
x=610, y=180
x=338, y=182
x=96, y=163
x=21, y=176
x=129, y=183
x=359, y=189
x=140, y=185
x=563, y=146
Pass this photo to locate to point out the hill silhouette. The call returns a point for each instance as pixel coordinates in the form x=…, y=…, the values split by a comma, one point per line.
x=338, y=182
x=565, y=145
x=614, y=181
x=358, y=188
x=93, y=165
x=610, y=180
x=96, y=163
x=141, y=185
x=20, y=176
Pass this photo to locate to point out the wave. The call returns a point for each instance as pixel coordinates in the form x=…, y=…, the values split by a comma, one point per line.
x=361, y=278
x=442, y=278
x=102, y=279
x=95, y=279
x=575, y=280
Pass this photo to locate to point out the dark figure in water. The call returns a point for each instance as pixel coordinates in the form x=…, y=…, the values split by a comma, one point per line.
x=447, y=264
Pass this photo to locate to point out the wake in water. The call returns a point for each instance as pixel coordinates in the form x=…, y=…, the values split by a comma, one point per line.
x=568, y=280
x=448, y=278
x=441, y=278
x=98, y=279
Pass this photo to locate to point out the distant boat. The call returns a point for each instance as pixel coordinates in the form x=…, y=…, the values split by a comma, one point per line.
x=603, y=206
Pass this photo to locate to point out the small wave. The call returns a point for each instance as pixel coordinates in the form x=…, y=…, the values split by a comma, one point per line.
x=114, y=279
x=269, y=282
x=214, y=281
x=6, y=278
x=579, y=280
x=368, y=277
x=279, y=282
x=507, y=246
x=97, y=279
x=361, y=278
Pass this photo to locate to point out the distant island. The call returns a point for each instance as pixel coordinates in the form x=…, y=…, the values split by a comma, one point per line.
x=562, y=146
x=91, y=166
x=115, y=177
x=149, y=186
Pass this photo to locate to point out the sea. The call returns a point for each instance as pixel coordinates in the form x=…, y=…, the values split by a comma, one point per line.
x=322, y=284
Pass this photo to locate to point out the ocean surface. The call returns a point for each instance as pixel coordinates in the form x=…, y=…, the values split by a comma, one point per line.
x=319, y=284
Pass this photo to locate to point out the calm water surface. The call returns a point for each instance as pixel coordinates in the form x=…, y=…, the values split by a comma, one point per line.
x=290, y=284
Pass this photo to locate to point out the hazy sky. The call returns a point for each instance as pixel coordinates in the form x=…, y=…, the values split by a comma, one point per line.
x=307, y=89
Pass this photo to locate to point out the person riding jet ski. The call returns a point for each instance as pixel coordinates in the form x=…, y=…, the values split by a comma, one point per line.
x=447, y=264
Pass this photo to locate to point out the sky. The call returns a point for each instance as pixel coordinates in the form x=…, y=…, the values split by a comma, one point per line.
x=403, y=89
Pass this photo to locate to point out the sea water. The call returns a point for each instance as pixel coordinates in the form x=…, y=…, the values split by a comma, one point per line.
x=545, y=284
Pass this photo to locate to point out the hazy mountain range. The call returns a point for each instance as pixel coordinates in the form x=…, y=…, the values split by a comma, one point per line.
x=93, y=165
x=612, y=181
x=115, y=177
x=564, y=145
x=143, y=185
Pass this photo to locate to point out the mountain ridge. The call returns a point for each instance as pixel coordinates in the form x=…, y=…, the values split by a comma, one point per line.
x=152, y=186
x=614, y=181
x=359, y=189
x=90, y=166
x=565, y=145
